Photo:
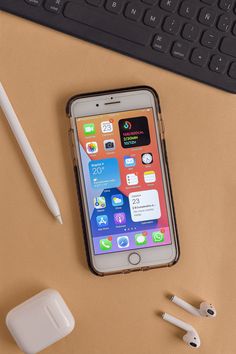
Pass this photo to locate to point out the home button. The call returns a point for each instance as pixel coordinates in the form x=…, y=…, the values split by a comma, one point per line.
x=134, y=258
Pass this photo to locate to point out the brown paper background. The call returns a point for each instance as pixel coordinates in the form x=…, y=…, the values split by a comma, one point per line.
x=40, y=70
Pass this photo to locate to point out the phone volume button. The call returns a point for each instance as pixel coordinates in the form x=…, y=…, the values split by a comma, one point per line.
x=71, y=136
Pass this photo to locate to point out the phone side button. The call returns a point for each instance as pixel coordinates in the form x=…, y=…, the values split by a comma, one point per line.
x=134, y=258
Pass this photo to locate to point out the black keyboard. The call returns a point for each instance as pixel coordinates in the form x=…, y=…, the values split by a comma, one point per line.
x=195, y=38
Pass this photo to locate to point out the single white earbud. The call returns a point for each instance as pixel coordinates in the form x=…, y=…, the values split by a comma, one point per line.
x=205, y=310
x=191, y=337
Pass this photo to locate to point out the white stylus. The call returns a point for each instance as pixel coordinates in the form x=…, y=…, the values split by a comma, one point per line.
x=29, y=155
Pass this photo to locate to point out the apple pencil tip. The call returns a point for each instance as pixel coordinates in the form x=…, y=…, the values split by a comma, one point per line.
x=59, y=218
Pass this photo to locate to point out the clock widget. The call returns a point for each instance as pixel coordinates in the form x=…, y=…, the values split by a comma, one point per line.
x=147, y=158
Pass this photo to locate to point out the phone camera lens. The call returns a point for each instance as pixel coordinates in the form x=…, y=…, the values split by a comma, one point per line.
x=111, y=98
x=97, y=105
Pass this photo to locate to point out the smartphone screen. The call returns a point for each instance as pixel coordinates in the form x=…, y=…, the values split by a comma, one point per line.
x=123, y=181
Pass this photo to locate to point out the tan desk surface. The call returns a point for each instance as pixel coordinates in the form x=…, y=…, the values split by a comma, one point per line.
x=41, y=69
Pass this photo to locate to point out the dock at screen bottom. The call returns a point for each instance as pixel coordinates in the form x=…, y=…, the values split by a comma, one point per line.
x=132, y=241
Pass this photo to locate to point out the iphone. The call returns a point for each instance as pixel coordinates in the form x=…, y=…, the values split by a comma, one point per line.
x=121, y=169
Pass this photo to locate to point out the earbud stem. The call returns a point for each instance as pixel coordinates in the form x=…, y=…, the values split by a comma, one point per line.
x=193, y=310
x=176, y=322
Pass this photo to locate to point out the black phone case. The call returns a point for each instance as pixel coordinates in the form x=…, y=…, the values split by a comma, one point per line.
x=164, y=154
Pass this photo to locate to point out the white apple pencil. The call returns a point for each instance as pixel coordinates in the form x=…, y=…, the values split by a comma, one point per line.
x=29, y=155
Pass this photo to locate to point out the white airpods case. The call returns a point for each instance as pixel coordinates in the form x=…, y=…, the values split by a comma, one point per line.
x=40, y=321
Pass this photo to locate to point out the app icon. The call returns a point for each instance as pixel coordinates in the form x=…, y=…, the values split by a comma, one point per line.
x=117, y=200
x=127, y=125
x=99, y=202
x=109, y=145
x=106, y=244
x=102, y=220
x=106, y=127
x=92, y=147
x=147, y=158
x=140, y=239
x=132, y=179
x=149, y=177
x=89, y=129
x=119, y=218
x=129, y=161
x=123, y=241
x=158, y=236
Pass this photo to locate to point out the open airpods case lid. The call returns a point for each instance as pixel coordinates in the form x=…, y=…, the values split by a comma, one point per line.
x=40, y=321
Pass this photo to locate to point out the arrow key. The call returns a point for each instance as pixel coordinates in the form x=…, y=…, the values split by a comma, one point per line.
x=218, y=63
x=199, y=56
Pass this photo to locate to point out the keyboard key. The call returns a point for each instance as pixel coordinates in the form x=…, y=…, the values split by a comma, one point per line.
x=218, y=63
x=210, y=38
x=95, y=2
x=228, y=46
x=224, y=23
x=169, y=5
x=161, y=43
x=34, y=2
x=134, y=11
x=207, y=16
x=200, y=56
x=232, y=70
x=54, y=5
x=226, y=5
x=118, y=27
x=172, y=24
x=180, y=50
x=190, y=32
x=152, y=18
x=114, y=6
x=188, y=9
